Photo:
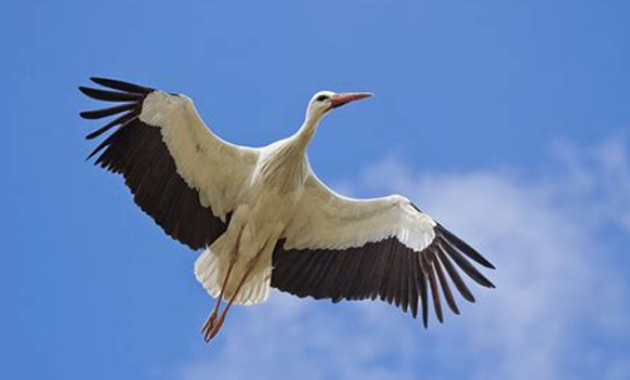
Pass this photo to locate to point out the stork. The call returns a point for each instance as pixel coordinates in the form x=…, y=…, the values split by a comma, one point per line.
x=261, y=218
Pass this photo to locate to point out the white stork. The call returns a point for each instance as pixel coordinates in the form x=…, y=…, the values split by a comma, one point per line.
x=262, y=217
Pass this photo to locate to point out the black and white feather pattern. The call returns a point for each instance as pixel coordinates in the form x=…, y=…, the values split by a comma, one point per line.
x=139, y=152
x=387, y=249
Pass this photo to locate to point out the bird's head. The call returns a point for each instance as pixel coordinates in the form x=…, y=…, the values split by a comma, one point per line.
x=324, y=101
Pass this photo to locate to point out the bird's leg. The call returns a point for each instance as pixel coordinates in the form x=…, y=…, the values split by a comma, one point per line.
x=209, y=325
x=250, y=268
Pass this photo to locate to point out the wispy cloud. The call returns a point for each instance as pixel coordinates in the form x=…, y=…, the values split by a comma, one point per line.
x=560, y=302
x=601, y=174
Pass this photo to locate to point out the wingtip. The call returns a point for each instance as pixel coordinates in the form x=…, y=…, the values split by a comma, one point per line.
x=102, y=81
x=453, y=306
x=469, y=297
x=120, y=85
x=485, y=263
x=92, y=135
x=92, y=154
x=84, y=90
x=485, y=282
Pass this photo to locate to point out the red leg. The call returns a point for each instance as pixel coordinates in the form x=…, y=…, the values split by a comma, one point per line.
x=209, y=325
x=219, y=324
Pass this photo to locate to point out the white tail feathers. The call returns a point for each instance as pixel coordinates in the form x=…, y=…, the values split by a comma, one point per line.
x=207, y=270
x=210, y=270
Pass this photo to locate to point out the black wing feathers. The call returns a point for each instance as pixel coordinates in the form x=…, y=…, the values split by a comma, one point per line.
x=387, y=270
x=122, y=86
x=121, y=120
x=110, y=96
x=105, y=112
x=464, y=247
x=137, y=151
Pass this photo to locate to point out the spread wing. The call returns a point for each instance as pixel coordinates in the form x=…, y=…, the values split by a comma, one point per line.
x=181, y=174
x=342, y=248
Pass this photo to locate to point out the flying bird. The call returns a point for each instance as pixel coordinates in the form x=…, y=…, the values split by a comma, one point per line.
x=261, y=218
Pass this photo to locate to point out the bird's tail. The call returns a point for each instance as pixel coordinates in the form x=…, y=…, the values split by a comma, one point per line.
x=211, y=269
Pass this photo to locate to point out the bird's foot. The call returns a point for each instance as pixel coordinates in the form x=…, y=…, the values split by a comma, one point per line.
x=210, y=333
x=209, y=325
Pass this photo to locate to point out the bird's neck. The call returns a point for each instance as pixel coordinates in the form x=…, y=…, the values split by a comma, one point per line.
x=305, y=134
x=289, y=157
x=286, y=166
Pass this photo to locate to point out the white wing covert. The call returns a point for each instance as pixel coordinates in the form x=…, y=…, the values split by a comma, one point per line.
x=342, y=248
x=181, y=174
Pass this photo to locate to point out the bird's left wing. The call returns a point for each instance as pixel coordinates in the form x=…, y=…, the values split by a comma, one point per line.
x=342, y=248
x=181, y=174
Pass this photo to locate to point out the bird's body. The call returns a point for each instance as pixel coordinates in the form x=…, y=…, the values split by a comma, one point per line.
x=263, y=219
x=267, y=205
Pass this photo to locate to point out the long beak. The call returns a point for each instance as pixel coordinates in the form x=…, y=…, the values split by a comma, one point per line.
x=339, y=100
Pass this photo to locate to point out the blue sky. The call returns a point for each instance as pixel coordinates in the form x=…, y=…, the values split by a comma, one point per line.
x=506, y=120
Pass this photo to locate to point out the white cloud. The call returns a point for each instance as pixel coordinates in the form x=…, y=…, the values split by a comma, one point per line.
x=557, y=287
x=601, y=174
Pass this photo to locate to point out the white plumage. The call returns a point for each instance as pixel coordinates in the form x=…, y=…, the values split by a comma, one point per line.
x=263, y=218
x=213, y=167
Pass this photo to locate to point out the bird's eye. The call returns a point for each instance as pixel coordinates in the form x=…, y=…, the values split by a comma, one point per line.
x=321, y=98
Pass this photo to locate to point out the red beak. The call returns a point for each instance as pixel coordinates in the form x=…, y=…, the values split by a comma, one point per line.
x=339, y=100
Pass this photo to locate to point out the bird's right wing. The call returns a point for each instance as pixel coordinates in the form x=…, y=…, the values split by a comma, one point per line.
x=338, y=248
x=181, y=174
